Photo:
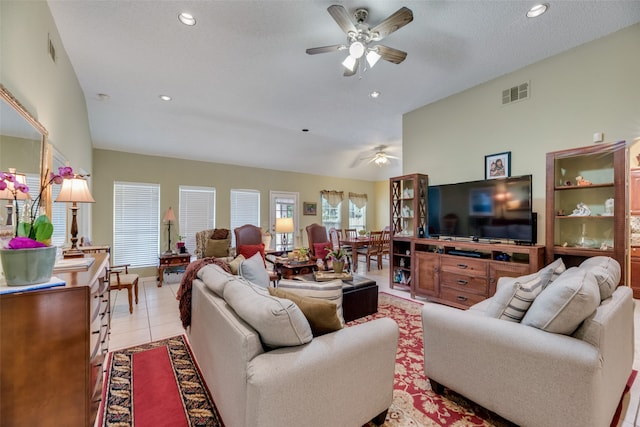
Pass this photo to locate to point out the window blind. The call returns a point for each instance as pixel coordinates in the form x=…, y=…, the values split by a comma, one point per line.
x=136, y=220
x=197, y=212
x=245, y=209
x=58, y=210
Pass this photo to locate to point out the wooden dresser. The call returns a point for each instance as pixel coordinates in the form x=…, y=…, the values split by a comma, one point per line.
x=53, y=344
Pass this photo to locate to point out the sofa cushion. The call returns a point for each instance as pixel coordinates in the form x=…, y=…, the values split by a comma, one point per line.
x=607, y=272
x=253, y=270
x=557, y=268
x=248, y=251
x=214, y=278
x=320, y=249
x=234, y=265
x=331, y=291
x=279, y=322
x=565, y=303
x=217, y=248
x=321, y=314
x=516, y=294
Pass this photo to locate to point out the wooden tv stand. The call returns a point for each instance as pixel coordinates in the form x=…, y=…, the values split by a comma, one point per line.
x=439, y=271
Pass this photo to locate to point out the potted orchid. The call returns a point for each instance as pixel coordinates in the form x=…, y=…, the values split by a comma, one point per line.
x=338, y=257
x=28, y=258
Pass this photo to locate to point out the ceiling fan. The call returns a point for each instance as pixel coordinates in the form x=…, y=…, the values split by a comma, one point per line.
x=377, y=156
x=361, y=38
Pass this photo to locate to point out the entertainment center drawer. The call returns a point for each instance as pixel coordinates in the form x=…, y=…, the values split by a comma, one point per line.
x=464, y=282
x=457, y=297
x=463, y=265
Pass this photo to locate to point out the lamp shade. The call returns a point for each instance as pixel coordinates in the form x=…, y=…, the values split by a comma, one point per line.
x=75, y=190
x=284, y=225
x=169, y=216
x=7, y=193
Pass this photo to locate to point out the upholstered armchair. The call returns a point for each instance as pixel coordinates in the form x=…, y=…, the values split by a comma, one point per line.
x=222, y=236
x=250, y=235
x=317, y=236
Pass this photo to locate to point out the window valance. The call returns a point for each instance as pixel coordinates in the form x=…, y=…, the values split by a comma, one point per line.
x=333, y=197
x=359, y=200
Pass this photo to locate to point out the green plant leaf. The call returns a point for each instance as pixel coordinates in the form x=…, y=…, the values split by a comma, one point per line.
x=44, y=231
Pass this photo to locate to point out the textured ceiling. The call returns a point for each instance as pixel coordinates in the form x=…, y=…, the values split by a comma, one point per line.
x=243, y=87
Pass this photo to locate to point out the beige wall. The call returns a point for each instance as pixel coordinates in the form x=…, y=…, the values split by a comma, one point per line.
x=110, y=166
x=592, y=88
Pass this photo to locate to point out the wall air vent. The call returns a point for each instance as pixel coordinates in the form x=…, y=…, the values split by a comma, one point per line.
x=516, y=93
x=52, y=49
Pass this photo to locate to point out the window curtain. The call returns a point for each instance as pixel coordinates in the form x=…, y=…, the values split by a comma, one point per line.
x=334, y=198
x=359, y=200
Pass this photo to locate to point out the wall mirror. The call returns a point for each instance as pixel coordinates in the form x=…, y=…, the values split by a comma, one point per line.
x=23, y=144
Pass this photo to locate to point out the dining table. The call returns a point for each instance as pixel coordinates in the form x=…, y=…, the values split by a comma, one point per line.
x=355, y=243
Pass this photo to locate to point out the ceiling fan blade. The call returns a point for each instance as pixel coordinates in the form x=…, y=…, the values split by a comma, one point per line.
x=349, y=73
x=390, y=54
x=393, y=23
x=325, y=49
x=342, y=18
x=389, y=156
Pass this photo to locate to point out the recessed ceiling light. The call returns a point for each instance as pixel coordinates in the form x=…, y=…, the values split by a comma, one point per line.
x=375, y=94
x=187, y=19
x=165, y=97
x=537, y=10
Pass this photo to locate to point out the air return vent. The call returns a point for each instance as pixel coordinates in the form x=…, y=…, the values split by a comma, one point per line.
x=52, y=49
x=516, y=93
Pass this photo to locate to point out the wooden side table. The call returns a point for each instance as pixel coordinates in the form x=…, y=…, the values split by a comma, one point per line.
x=168, y=261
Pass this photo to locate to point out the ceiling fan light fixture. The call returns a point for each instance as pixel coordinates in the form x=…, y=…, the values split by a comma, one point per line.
x=372, y=57
x=349, y=63
x=356, y=49
x=381, y=160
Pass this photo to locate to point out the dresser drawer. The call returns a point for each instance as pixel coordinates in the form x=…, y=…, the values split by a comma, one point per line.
x=462, y=265
x=465, y=283
x=635, y=251
x=455, y=296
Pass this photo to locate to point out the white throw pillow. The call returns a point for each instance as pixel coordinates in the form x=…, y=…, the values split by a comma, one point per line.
x=279, y=322
x=214, y=278
x=607, y=272
x=557, y=268
x=331, y=291
x=565, y=303
x=516, y=294
x=253, y=270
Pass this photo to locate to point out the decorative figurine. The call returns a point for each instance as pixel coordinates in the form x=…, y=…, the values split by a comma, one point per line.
x=581, y=210
x=581, y=181
x=608, y=207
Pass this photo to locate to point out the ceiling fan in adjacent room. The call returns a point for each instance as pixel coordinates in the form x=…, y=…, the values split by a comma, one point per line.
x=378, y=156
x=361, y=38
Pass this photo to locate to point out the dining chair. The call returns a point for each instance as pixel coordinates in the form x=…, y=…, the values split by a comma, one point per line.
x=334, y=238
x=386, y=242
x=351, y=233
x=373, y=251
x=124, y=280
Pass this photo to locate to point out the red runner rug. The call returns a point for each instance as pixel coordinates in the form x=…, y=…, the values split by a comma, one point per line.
x=159, y=384
x=155, y=385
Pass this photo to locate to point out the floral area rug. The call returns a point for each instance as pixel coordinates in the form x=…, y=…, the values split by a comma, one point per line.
x=155, y=385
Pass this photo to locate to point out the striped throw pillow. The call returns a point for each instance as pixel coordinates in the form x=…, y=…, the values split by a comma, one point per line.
x=516, y=294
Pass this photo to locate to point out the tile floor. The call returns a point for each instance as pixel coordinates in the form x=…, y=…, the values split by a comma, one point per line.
x=156, y=317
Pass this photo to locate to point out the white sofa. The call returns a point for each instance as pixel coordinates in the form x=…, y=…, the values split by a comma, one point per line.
x=528, y=375
x=343, y=378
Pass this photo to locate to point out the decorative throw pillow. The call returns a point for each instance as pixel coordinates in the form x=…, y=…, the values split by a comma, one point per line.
x=331, y=291
x=248, y=251
x=516, y=294
x=320, y=249
x=215, y=278
x=321, y=314
x=565, y=303
x=217, y=248
x=220, y=233
x=253, y=270
x=234, y=265
x=557, y=268
x=607, y=272
x=279, y=322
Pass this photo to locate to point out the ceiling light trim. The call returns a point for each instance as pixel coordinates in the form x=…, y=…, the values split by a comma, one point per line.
x=537, y=10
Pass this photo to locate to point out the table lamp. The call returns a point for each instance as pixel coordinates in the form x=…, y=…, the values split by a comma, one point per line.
x=284, y=226
x=74, y=190
x=169, y=217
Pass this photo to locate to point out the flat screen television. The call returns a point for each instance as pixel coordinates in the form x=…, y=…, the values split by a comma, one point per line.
x=494, y=209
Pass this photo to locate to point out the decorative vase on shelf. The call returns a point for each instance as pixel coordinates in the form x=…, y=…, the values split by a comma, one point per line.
x=28, y=266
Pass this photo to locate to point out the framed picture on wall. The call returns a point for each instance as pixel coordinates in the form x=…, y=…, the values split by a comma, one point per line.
x=309, y=208
x=497, y=165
